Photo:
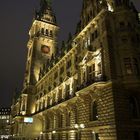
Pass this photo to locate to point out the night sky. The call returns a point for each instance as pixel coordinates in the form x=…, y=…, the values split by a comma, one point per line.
x=15, y=21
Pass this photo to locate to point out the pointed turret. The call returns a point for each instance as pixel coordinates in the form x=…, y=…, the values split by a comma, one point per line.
x=46, y=13
x=42, y=43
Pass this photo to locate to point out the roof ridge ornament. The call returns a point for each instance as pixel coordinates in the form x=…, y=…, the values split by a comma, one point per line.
x=45, y=3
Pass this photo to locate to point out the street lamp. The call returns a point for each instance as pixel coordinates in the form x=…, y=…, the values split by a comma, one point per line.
x=41, y=135
x=79, y=127
x=53, y=134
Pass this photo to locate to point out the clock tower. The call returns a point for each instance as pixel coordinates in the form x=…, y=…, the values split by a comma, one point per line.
x=42, y=43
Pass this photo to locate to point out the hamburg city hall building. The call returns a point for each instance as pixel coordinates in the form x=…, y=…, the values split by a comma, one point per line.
x=89, y=87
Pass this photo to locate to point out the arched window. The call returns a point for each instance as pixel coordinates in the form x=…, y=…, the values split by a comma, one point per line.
x=60, y=121
x=94, y=112
x=42, y=31
x=51, y=33
x=60, y=95
x=43, y=103
x=36, y=107
x=134, y=107
x=76, y=116
x=40, y=105
x=48, y=123
x=68, y=118
x=48, y=102
x=47, y=33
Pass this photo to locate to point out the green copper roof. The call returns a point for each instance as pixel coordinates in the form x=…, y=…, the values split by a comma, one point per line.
x=49, y=2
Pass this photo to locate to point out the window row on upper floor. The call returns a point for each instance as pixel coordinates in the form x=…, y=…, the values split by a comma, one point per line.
x=62, y=91
x=87, y=75
x=47, y=32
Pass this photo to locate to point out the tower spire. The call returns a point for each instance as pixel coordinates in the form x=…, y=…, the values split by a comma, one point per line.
x=45, y=3
x=45, y=12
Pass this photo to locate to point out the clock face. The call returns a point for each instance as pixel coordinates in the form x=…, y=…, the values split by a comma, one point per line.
x=45, y=49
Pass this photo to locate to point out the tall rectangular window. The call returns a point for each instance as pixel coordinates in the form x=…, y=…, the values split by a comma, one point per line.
x=60, y=121
x=94, y=112
x=95, y=136
x=91, y=72
x=99, y=68
x=67, y=91
x=69, y=64
x=128, y=66
x=61, y=70
x=55, y=75
x=136, y=66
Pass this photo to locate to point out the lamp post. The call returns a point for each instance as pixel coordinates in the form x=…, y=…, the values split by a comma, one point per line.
x=53, y=134
x=41, y=135
x=79, y=127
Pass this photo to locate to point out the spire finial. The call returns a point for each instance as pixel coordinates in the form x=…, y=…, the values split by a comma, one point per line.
x=49, y=2
x=45, y=2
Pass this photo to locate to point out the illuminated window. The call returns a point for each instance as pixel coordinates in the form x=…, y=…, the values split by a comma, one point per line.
x=99, y=68
x=91, y=72
x=54, y=121
x=139, y=16
x=28, y=120
x=94, y=112
x=35, y=107
x=110, y=7
x=86, y=43
x=3, y=117
x=134, y=107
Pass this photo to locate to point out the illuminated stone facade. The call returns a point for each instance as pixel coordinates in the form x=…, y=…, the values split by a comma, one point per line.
x=5, y=119
x=89, y=88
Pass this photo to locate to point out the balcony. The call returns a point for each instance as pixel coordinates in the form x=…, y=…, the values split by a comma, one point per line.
x=91, y=81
